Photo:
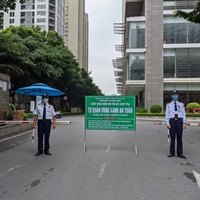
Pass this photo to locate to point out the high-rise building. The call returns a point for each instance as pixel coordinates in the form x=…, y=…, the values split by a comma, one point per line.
x=160, y=52
x=47, y=14
x=67, y=17
x=76, y=32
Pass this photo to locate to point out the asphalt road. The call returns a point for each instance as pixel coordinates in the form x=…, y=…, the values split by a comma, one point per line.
x=109, y=170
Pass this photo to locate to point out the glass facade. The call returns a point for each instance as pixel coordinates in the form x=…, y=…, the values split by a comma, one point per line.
x=136, y=66
x=178, y=30
x=182, y=63
x=179, y=4
x=136, y=37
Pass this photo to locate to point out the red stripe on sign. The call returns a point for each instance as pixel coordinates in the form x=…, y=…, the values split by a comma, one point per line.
x=24, y=122
x=2, y=122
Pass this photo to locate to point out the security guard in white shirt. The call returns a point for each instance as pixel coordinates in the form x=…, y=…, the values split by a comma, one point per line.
x=176, y=119
x=44, y=114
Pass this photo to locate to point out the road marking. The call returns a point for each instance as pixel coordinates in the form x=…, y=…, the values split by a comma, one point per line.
x=197, y=176
x=9, y=170
x=9, y=138
x=102, y=169
x=108, y=148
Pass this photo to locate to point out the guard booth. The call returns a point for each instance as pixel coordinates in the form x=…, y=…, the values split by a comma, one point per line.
x=6, y=71
x=4, y=95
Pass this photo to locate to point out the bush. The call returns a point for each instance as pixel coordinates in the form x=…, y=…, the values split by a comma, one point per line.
x=141, y=110
x=11, y=109
x=156, y=108
x=192, y=105
x=28, y=115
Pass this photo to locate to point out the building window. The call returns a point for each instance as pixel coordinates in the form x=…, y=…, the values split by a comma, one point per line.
x=136, y=66
x=11, y=21
x=23, y=7
x=22, y=14
x=22, y=21
x=52, y=15
x=182, y=63
x=41, y=20
x=51, y=28
x=136, y=37
x=52, y=2
x=28, y=21
x=178, y=30
x=179, y=4
x=12, y=14
x=41, y=6
x=51, y=21
x=42, y=27
x=41, y=13
x=29, y=7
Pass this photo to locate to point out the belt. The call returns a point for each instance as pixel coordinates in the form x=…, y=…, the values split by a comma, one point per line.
x=44, y=119
x=176, y=118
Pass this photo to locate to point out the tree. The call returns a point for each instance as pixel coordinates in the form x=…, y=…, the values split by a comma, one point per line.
x=9, y=4
x=41, y=56
x=193, y=16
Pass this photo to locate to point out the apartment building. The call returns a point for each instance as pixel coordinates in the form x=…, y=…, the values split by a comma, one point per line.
x=47, y=14
x=76, y=32
x=160, y=52
x=67, y=17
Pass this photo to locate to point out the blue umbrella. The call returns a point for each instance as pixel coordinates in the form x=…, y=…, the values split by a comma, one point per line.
x=38, y=89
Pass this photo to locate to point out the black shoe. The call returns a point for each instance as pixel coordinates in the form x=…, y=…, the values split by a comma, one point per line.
x=170, y=155
x=47, y=153
x=38, y=153
x=182, y=156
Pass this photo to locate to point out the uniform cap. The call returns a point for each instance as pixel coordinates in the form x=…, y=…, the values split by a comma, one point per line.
x=174, y=92
x=44, y=96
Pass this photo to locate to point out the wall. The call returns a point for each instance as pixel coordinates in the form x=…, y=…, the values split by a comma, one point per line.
x=154, y=61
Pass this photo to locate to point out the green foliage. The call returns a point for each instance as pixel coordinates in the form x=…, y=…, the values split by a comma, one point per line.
x=11, y=109
x=141, y=110
x=193, y=16
x=25, y=117
x=193, y=115
x=9, y=4
x=163, y=114
x=156, y=108
x=192, y=105
x=40, y=56
x=28, y=116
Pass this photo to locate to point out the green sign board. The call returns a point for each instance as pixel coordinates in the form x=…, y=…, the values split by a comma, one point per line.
x=110, y=113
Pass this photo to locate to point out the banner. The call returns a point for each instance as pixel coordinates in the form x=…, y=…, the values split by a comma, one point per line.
x=110, y=113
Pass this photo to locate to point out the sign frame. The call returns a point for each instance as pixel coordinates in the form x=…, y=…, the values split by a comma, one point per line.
x=110, y=113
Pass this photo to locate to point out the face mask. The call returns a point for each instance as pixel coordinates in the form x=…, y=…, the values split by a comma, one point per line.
x=45, y=101
x=175, y=97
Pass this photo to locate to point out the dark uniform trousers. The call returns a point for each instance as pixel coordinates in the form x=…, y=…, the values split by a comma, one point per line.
x=176, y=130
x=44, y=128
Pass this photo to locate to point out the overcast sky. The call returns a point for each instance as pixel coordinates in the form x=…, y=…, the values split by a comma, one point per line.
x=102, y=41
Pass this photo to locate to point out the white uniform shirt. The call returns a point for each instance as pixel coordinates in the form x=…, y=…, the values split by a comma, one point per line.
x=170, y=111
x=50, y=112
